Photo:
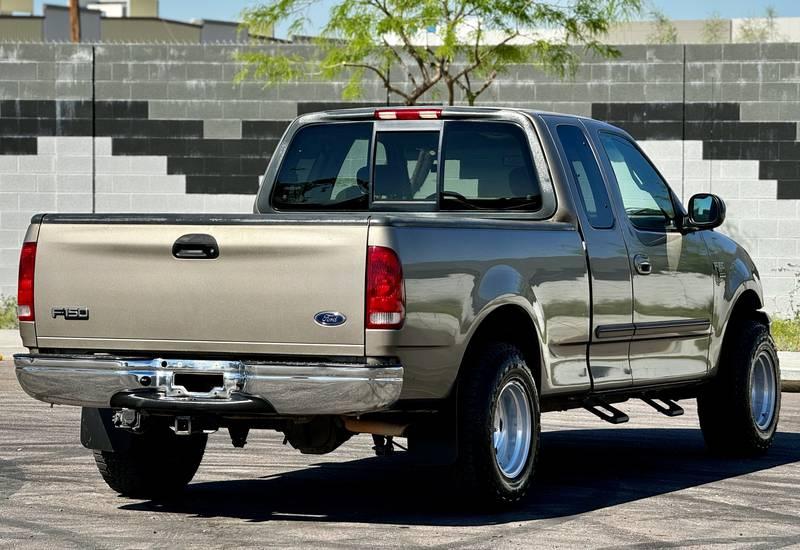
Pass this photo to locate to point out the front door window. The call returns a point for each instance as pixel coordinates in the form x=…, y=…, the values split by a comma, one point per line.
x=645, y=196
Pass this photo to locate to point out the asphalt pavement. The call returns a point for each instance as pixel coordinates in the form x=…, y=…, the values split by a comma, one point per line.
x=646, y=484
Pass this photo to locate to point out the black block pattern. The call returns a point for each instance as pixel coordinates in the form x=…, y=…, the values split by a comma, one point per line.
x=725, y=136
x=211, y=165
x=22, y=121
x=235, y=165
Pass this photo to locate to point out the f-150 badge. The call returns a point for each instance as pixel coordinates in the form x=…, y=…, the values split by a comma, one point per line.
x=70, y=313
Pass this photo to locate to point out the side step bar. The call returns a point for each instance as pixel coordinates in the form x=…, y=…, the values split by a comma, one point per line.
x=667, y=407
x=605, y=411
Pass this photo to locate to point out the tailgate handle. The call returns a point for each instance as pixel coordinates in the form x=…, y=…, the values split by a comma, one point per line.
x=196, y=246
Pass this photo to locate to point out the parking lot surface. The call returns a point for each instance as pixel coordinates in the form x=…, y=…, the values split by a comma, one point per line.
x=646, y=484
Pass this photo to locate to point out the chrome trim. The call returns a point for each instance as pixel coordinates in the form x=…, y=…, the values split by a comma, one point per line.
x=763, y=385
x=292, y=388
x=512, y=429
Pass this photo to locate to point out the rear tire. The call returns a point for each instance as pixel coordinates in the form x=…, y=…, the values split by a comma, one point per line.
x=157, y=464
x=498, y=426
x=739, y=411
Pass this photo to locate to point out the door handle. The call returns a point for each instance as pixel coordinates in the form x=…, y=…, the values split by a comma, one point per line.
x=196, y=246
x=642, y=264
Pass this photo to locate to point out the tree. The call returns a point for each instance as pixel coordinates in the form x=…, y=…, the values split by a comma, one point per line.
x=761, y=29
x=451, y=44
x=664, y=30
x=715, y=29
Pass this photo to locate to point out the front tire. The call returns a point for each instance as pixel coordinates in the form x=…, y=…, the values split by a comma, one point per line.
x=498, y=426
x=739, y=411
x=157, y=464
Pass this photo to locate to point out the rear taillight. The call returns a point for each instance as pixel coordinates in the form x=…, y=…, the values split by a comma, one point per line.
x=27, y=267
x=386, y=297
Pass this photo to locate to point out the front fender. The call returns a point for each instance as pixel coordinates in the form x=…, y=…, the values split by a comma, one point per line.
x=736, y=278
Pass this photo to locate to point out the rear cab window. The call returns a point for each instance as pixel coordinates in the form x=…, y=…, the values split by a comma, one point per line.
x=360, y=166
x=325, y=168
x=488, y=165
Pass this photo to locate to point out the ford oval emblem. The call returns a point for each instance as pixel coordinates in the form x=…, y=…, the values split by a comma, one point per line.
x=329, y=318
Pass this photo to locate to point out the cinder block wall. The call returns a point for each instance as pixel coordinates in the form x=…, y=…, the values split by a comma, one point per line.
x=154, y=128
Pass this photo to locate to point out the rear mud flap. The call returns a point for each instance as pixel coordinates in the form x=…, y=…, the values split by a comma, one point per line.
x=98, y=432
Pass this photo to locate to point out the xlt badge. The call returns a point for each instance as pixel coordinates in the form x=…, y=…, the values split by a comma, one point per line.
x=70, y=313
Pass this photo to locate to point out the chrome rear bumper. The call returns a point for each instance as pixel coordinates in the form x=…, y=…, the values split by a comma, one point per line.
x=289, y=388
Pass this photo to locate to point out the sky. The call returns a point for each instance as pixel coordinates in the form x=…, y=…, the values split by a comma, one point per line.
x=228, y=10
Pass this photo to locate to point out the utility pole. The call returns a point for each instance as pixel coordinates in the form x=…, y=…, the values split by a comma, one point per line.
x=74, y=21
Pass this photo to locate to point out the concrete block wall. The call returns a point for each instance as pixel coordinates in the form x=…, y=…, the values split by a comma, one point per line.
x=154, y=128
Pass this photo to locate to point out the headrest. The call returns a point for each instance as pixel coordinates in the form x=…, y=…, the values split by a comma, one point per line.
x=391, y=183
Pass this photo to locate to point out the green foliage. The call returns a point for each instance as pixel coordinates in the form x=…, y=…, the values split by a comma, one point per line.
x=763, y=29
x=786, y=333
x=473, y=41
x=715, y=29
x=8, y=313
x=664, y=30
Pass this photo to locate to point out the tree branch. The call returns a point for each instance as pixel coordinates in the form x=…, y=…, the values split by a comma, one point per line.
x=384, y=78
x=479, y=58
x=408, y=46
x=402, y=62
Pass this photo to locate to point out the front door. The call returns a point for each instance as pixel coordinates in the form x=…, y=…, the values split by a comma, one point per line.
x=671, y=272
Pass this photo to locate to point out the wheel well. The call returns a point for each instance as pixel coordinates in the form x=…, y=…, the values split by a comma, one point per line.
x=747, y=306
x=513, y=325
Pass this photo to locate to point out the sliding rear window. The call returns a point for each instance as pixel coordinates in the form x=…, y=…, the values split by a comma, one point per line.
x=483, y=165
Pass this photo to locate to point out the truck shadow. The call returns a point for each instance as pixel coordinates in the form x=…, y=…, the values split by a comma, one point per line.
x=580, y=471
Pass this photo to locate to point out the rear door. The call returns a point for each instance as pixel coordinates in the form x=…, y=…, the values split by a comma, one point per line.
x=612, y=302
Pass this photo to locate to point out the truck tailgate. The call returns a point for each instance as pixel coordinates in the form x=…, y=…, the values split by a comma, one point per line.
x=260, y=295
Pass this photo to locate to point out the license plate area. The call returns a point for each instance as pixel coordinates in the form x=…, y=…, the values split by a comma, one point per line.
x=199, y=382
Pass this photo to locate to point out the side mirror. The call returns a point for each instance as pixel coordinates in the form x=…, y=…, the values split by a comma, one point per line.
x=706, y=211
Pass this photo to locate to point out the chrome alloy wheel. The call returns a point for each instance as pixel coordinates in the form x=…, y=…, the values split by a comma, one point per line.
x=512, y=429
x=763, y=390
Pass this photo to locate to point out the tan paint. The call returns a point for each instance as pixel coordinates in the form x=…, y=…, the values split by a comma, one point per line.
x=27, y=333
x=259, y=296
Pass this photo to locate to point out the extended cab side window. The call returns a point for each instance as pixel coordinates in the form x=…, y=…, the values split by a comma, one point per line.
x=589, y=179
x=645, y=196
x=488, y=165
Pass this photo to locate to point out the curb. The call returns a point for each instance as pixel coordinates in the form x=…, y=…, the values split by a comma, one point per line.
x=790, y=370
x=10, y=344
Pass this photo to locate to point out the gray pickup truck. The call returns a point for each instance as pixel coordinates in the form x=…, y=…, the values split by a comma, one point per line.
x=443, y=275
